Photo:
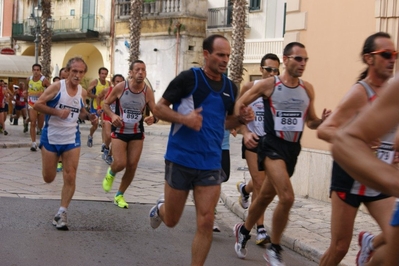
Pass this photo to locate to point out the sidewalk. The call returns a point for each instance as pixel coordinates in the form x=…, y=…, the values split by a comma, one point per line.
x=308, y=230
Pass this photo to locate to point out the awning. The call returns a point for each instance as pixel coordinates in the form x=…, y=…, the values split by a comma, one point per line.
x=16, y=66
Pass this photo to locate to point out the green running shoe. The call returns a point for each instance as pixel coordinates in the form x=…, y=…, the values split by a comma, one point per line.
x=120, y=202
x=108, y=180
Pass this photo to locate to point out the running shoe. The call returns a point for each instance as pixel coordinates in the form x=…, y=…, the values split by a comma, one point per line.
x=273, y=256
x=262, y=237
x=155, y=220
x=363, y=256
x=105, y=153
x=242, y=199
x=59, y=167
x=108, y=180
x=5, y=132
x=25, y=127
x=39, y=132
x=33, y=147
x=109, y=159
x=102, y=147
x=241, y=241
x=120, y=202
x=216, y=227
x=89, y=141
x=60, y=221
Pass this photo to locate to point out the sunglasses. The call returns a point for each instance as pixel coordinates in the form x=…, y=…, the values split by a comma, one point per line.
x=386, y=54
x=270, y=69
x=299, y=58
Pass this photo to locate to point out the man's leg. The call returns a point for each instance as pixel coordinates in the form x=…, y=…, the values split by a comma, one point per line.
x=70, y=165
x=206, y=198
x=40, y=123
x=33, y=122
x=175, y=200
x=49, y=164
x=342, y=221
x=117, y=165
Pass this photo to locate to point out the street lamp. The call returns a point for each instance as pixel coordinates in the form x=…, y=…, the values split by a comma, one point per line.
x=35, y=25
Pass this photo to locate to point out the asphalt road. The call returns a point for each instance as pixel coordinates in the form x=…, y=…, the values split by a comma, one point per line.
x=102, y=234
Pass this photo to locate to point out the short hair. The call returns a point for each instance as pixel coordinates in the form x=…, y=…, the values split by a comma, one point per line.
x=271, y=57
x=56, y=78
x=288, y=48
x=37, y=65
x=1, y=80
x=115, y=76
x=135, y=62
x=59, y=73
x=73, y=60
x=207, y=44
x=102, y=68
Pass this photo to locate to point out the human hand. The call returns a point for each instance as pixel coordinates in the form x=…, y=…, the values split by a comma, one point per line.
x=194, y=119
x=250, y=140
x=64, y=113
x=117, y=121
x=149, y=120
x=326, y=113
x=246, y=114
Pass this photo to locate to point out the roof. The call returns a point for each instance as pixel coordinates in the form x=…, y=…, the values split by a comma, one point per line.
x=16, y=66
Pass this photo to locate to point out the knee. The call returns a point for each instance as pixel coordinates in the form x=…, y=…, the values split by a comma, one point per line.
x=48, y=178
x=287, y=200
x=337, y=251
x=205, y=222
x=170, y=221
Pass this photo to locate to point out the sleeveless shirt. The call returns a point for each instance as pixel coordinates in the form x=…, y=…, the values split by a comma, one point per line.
x=63, y=131
x=130, y=107
x=286, y=111
x=257, y=125
x=35, y=89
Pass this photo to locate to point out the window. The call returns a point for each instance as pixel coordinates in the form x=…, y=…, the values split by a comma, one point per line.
x=254, y=4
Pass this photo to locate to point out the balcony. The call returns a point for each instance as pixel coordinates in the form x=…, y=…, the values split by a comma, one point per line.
x=221, y=17
x=256, y=49
x=65, y=28
x=157, y=7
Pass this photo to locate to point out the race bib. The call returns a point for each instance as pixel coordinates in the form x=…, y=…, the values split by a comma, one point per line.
x=288, y=121
x=385, y=152
x=131, y=116
x=33, y=99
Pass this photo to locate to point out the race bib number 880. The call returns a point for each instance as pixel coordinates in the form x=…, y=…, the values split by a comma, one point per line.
x=288, y=121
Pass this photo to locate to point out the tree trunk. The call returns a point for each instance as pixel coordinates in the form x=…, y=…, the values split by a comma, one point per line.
x=238, y=40
x=45, y=40
x=136, y=7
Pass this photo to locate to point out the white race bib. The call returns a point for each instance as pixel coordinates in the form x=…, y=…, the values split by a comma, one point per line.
x=288, y=121
x=385, y=152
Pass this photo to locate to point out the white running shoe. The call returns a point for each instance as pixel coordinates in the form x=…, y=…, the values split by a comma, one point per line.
x=242, y=199
x=241, y=241
x=60, y=221
x=155, y=220
x=262, y=237
x=273, y=257
x=365, y=252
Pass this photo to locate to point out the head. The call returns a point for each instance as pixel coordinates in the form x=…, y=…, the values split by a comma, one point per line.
x=102, y=73
x=269, y=65
x=137, y=71
x=36, y=70
x=63, y=74
x=117, y=78
x=379, y=55
x=295, y=58
x=77, y=68
x=21, y=85
x=216, y=51
x=1, y=83
x=56, y=78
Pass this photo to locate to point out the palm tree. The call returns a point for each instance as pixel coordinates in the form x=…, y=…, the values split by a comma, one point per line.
x=136, y=7
x=45, y=39
x=238, y=41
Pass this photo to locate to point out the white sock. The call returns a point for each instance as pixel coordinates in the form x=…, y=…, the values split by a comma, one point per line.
x=61, y=210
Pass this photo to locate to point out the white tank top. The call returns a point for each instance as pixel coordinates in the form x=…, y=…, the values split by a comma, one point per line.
x=257, y=125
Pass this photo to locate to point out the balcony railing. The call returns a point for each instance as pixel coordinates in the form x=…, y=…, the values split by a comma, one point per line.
x=150, y=8
x=256, y=49
x=221, y=17
x=65, y=24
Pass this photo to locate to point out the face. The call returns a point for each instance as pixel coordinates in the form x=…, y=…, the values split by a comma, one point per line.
x=117, y=80
x=295, y=63
x=21, y=85
x=77, y=72
x=217, y=60
x=383, y=62
x=269, y=68
x=64, y=74
x=138, y=73
x=103, y=74
x=36, y=71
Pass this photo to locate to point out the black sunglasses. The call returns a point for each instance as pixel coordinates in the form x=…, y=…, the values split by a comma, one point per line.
x=270, y=69
x=386, y=54
x=299, y=58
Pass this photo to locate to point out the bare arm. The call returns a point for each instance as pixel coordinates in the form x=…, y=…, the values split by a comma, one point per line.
x=351, y=149
x=46, y=83
x=46, y=96
x=112, y=97
x=312, y=120
x=92, y=84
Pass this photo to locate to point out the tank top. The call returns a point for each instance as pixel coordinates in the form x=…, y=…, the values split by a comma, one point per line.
x=130, y=107
x=2, y=102
x=385, y=151
x=63, y=131
x=35, y=89
x=257, y=125
x=286, y=111
x=97, y=90
x=19, y=98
